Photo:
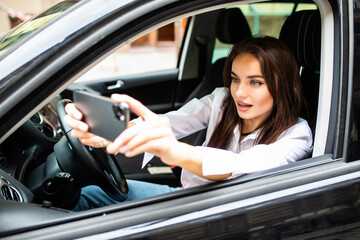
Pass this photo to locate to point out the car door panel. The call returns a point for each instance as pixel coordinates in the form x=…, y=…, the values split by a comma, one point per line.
x=156, y=90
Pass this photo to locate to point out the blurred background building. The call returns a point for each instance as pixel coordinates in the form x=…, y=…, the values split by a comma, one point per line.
x=157, y=48
x=13, y=12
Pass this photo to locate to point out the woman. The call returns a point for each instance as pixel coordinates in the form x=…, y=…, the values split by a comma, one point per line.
x=252, y=124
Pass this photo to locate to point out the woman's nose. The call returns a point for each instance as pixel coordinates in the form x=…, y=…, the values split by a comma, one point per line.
x=241, y=90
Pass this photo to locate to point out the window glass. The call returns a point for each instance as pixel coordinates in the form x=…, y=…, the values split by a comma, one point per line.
x=157, y=50
x=263, y=19
x=17, y=34
x=354, y=133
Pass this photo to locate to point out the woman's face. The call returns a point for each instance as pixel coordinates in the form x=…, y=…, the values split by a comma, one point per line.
x=250, y=93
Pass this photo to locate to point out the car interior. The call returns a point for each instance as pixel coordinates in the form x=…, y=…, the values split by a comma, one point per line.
x=36, y=155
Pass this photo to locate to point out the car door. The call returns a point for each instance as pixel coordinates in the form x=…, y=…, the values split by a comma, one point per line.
x=308, y=199
x=304, y=200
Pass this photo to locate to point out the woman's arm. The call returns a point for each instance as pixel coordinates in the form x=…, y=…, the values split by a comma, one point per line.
x=191, y=159
x=195, y=114
x=293, y=145
x=155, y=136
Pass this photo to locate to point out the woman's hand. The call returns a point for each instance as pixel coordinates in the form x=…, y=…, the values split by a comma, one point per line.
x=154, y=135
x=80, y=129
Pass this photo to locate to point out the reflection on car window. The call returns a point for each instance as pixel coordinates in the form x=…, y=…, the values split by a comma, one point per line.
x=157, y=50
x=17, y=34
x=354, y=134
x=263, y=19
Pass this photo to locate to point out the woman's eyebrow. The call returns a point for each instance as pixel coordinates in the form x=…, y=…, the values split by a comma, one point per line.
x=255, y=76
x=251, y=76
x=233, y=73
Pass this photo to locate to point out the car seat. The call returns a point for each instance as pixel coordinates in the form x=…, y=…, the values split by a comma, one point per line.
x=231, y=28
x=302, y=33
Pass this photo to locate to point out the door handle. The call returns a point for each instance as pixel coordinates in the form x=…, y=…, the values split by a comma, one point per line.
x=117, y=85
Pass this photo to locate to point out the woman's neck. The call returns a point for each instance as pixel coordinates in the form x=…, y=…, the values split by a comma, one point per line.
x=248, y=128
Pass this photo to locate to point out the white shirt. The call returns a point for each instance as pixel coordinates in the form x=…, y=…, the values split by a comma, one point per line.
x=294, y=144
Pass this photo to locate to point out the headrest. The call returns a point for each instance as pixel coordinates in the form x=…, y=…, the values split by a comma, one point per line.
x=232, y=26
x=302, y=32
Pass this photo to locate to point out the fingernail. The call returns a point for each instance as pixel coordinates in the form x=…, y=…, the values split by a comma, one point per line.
x=123, y=149
x=83, y=128
x=78, y=115
x=118, y=142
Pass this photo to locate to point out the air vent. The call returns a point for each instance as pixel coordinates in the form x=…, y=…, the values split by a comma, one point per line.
x=36, y=118
x=10, y=193
x=48, y=131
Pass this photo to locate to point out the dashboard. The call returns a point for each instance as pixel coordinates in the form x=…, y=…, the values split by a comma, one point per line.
x=27, y=148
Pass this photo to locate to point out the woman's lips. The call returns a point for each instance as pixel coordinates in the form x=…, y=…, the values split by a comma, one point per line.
x=243, y=107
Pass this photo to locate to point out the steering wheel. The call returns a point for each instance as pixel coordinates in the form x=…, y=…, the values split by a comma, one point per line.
x=103, y=167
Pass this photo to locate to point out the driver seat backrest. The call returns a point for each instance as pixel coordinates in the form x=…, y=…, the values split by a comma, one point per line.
x=302, y=33
x=231, y=28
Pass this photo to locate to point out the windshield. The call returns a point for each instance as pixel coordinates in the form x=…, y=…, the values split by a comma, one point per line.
x=15, y=35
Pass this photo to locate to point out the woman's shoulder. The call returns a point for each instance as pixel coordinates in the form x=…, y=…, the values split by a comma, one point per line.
x=300, y=128
x=216, y=96
x=302, y=122
x=219, y=93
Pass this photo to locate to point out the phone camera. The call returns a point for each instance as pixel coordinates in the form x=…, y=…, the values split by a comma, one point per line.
x=118, y=112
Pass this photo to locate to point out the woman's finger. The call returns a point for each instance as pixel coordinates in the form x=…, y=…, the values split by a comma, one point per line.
x=144, y=137
x=80, y=134
x=89, y=139
x=158, y=127
x=136, y=106
x=124, y=137
x=71, y=110
x=155, y=146
x=145, y=147
x=75, y=123
x=142, y=133
x=95, y=141
x=131, y=132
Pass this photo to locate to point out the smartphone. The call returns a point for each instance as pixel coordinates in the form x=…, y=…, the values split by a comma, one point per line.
x=104, y=117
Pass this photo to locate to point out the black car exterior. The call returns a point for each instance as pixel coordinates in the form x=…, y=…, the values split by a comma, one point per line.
x=316, y=198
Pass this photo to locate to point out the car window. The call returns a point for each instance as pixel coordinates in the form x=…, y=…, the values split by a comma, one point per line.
x=354, y=133
x=157, y=50
x=17, y=34
x=263, y=19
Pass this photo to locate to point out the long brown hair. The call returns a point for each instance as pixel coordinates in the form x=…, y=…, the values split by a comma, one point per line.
x=280, y=70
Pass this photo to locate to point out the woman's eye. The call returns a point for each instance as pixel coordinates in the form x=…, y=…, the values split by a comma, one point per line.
x=235, y=80
x=256, y=83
